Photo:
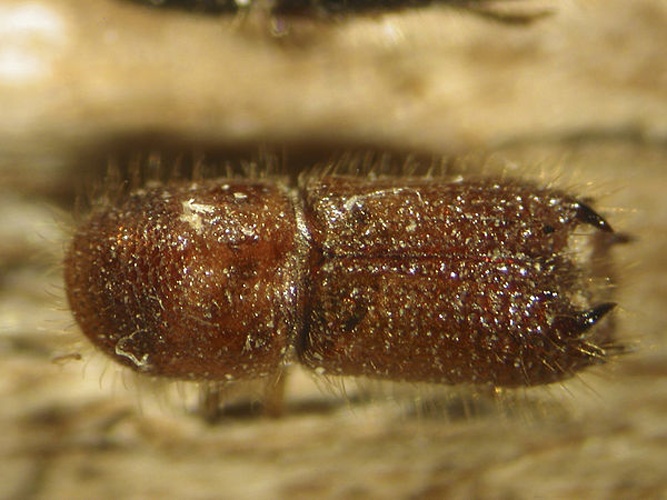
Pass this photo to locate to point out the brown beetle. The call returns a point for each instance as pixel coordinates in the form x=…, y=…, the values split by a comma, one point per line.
x=419, y=279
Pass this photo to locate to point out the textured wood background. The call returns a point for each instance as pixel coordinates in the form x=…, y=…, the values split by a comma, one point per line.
x=579, y=97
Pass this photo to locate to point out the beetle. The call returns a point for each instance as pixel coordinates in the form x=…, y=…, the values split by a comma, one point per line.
x=418, y=278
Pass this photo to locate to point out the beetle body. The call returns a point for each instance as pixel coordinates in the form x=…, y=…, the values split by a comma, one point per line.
x=421, y=279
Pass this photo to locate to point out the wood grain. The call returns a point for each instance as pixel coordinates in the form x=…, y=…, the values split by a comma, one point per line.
x=579, y=98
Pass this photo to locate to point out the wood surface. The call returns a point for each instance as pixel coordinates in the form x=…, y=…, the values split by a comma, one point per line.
x=578, y=98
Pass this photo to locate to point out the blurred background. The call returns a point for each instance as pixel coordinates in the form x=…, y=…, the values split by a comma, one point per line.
x=577, y=98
